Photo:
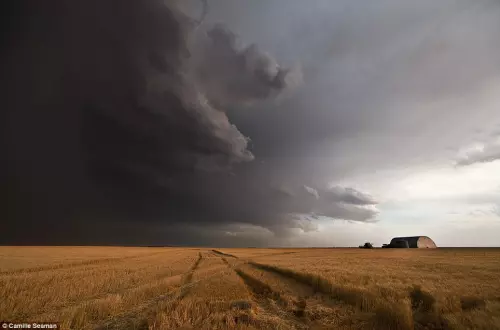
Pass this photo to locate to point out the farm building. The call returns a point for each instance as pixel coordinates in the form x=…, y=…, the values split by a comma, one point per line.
x=422, y=242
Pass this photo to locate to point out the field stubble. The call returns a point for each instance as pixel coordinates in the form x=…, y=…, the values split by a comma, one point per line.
x=170, y=288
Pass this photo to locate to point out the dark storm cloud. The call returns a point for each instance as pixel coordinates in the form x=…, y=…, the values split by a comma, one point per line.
x=115, y=131
x=132, y=121
x=229, y=72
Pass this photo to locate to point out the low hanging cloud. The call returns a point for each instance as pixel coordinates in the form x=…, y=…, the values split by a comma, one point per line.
x=345, y=203
x=297, y=210
x=348, y=195
x=485, y=154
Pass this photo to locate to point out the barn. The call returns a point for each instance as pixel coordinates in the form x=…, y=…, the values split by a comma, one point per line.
x=421, y=242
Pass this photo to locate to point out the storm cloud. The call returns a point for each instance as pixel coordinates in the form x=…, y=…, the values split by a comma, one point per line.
x=116, y=124
x=229, y=72
x=239, y=122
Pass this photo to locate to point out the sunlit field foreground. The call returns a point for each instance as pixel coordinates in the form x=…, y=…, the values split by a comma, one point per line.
x=201, y=288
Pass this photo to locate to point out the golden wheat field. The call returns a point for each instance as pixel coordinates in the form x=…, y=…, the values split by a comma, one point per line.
x=202, y=288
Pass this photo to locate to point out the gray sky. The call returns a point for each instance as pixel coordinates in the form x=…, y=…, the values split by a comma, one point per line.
x=400, y=99
x=325, y=123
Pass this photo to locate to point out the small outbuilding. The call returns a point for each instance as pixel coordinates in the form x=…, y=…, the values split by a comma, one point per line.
x=421, y=242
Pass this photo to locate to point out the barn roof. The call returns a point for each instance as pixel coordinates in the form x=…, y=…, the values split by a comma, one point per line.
x=416, y=241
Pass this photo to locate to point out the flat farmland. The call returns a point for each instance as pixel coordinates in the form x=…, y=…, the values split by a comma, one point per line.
x=204, y=288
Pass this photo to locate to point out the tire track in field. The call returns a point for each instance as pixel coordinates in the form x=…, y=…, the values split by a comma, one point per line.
x=67, y=306
x=188, y=278
x=317, y=284
x=392, y=314
x=316, y=310
x=270, y=301
x=90, y=272
x=222, y=254
x=138, y=317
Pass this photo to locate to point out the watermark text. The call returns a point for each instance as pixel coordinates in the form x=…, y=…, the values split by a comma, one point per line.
x=29, y=325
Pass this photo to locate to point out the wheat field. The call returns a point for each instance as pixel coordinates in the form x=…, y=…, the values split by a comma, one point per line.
x=203, y=288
